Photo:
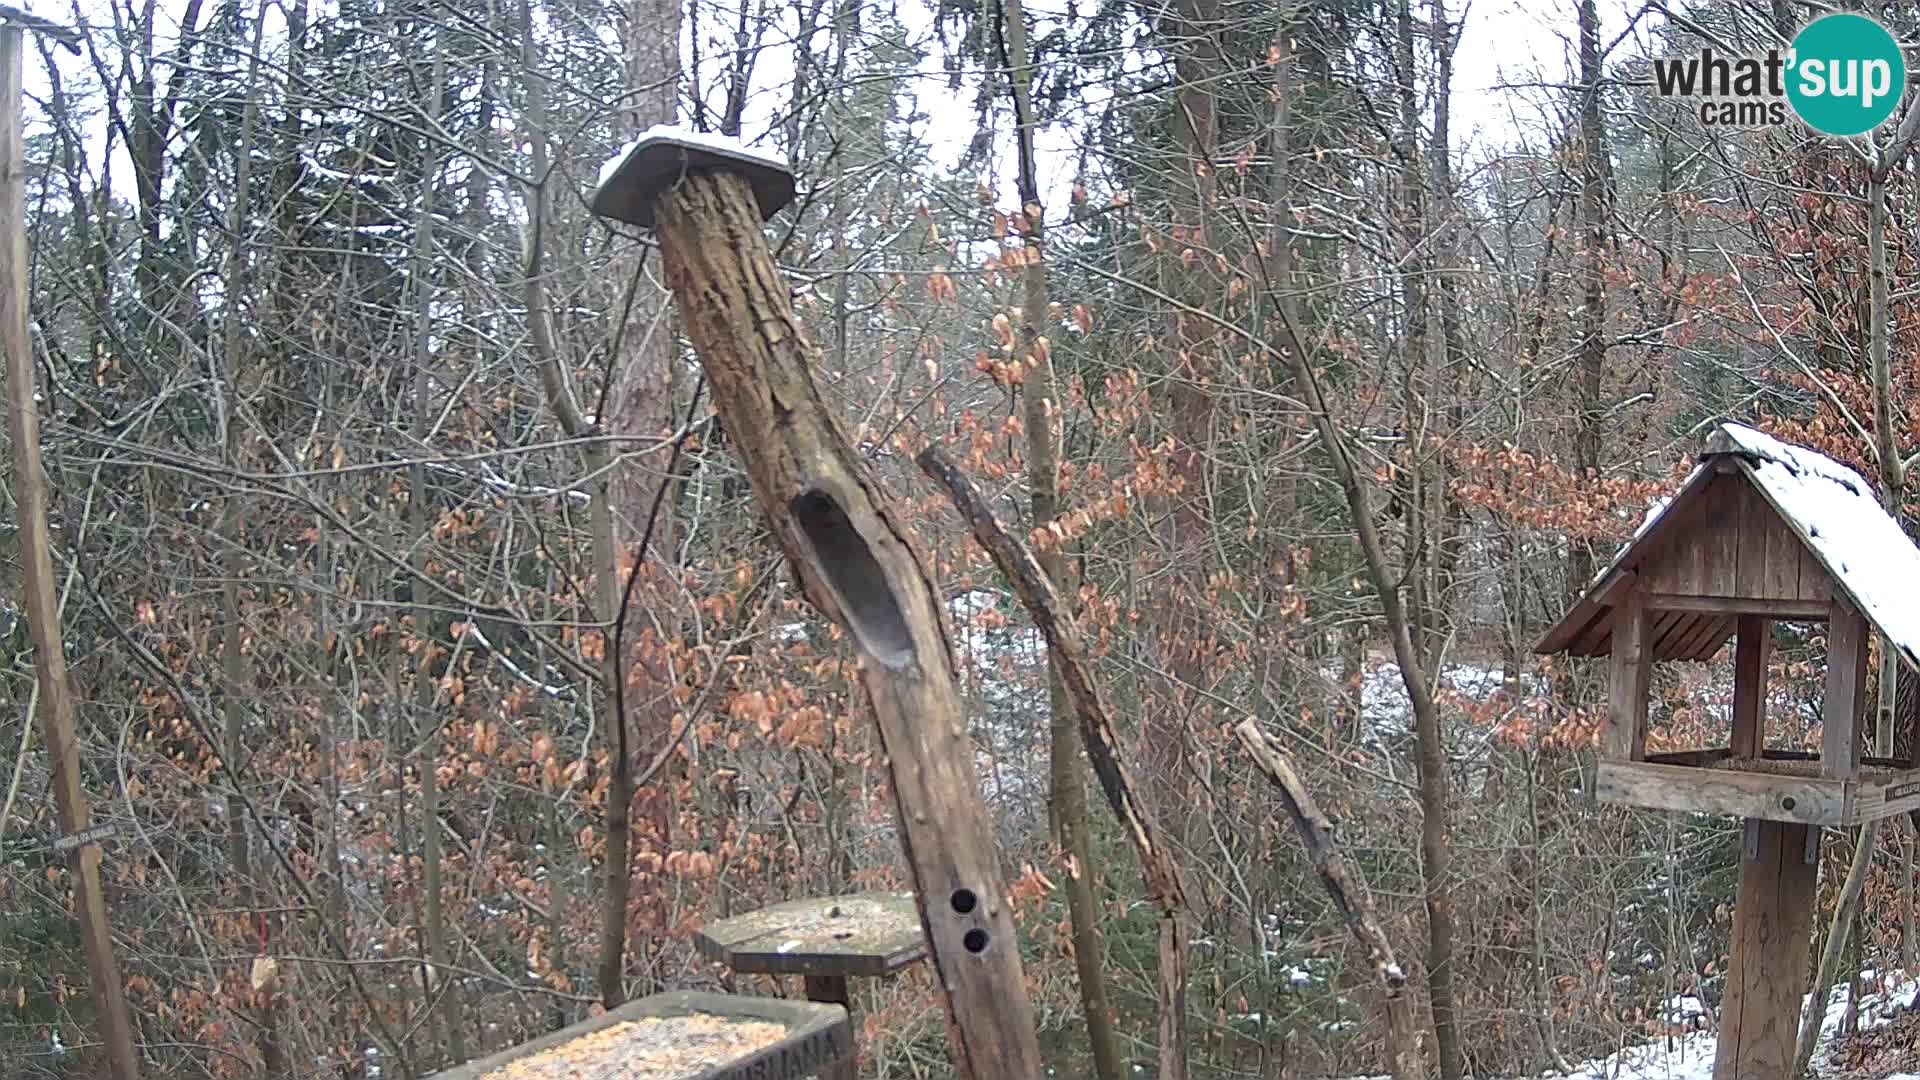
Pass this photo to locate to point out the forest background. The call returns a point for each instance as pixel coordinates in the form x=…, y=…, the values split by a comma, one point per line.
x=427, y=640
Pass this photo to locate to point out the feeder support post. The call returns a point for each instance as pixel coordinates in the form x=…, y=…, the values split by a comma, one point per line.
x=853, y=554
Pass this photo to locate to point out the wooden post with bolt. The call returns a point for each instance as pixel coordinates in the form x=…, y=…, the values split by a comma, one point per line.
x=43, y=606
x=854, y=556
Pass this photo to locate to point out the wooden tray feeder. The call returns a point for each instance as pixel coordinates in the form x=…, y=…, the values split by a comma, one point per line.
x=1761, y=532
x=825, y=941
x=682, y=1036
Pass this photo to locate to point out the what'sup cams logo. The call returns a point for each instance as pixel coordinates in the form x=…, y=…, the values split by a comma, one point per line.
x=1842, y=76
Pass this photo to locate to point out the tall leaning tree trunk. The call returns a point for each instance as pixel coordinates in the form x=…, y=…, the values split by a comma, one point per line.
x=1436, y=868
x=1591, y=349
x=1041, y=411
x=1436, y=855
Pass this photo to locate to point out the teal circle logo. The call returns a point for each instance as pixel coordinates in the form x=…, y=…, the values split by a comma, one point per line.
x=1847, y=74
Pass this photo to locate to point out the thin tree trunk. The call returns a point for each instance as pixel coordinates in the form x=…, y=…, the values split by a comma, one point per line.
x=1435, y=843
x=1041, y=409
x=610, y=971
x=640, y=391
x=425, y=691
x=1166, y=886
x=1838, y=935
x=234, y=668
x=1415, y=625
x=1592, y=346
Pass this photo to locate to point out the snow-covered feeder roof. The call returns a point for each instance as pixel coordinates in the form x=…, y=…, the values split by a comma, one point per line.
x=1761, y=527
x=640, y=171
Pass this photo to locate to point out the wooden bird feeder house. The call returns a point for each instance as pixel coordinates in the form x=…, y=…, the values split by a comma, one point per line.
x=1762, y=532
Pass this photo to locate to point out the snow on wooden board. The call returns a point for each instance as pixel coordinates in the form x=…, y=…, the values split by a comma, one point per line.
x=719, y=144
x=1835, y=511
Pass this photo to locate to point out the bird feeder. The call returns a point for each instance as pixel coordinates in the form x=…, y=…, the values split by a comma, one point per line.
x=851, y=550
x=682, y=1036
x=824, y=941
x=1762, y=532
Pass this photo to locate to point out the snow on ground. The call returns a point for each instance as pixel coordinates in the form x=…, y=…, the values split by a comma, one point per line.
x=1383, y=695
x=1690, y=1057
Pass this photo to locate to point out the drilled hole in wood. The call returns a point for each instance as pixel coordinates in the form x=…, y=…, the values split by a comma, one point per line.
x=964, y=901
x=975, y=941
x=855, y=576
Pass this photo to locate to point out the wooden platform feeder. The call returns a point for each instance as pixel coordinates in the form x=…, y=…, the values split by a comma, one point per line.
x=1761, y=532
x=682, y=1036
x=825, y=941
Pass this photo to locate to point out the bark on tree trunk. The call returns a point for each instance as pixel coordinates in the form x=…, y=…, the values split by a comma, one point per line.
x=233, y=662
x=447, y=1014
x=36, y=558
x=640, y=402
x=1592, y=346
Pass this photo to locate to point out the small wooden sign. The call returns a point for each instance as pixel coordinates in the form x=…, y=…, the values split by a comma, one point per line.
x=1901, y=791
x=93, y=835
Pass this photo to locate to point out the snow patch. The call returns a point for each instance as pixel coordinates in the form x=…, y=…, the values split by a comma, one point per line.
x=1836, y=511
x=719, y=144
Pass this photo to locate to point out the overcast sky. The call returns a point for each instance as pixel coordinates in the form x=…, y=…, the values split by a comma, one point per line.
x=1514, y=55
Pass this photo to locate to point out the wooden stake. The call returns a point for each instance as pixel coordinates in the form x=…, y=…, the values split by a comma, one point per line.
x=1846, y=692
x=859, y=563
x=1630, y=670
x=43, y=608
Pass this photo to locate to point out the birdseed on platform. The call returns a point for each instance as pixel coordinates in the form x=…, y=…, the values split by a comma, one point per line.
x=653, y=1048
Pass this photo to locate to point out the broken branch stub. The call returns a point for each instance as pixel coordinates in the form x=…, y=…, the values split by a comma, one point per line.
x=1348, y=893
x=858, y=563
x=1069, y=651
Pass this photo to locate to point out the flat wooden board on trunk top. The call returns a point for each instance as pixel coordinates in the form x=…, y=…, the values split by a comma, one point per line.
x=874, y=933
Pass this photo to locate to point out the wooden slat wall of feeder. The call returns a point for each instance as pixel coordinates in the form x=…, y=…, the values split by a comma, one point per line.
x=1760, y=533
x=826, y=941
